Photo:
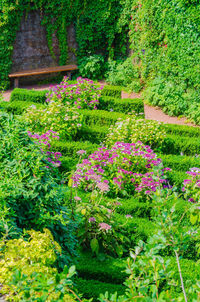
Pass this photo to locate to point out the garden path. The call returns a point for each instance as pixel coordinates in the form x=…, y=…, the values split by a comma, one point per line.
x=151, y=113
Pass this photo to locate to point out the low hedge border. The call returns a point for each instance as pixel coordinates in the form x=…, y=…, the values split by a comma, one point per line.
x=70, y=148
x=113, y=270
x=101, y=117
x=182, y=130
x=18, y=107
x=26, y=95
x=114, y=91
x=93, y=288
x=180, y=163
x=175, y=144
x=121, y=105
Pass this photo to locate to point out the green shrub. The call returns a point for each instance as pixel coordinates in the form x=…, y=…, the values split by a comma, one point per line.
x=92, y=67
x=94, y=134
x=93, y=288
x=121, y=105
x=132, y=130
x=182, y=130
x=185, y=145
x=68, y=148
x=113, y=91
x=180, y=163
x=29, y=265
x=124, y=74
x=176, y=178
x=18, y=107
x=25, y=95
x=110, y=270
x=100, y=117
x=29, y=189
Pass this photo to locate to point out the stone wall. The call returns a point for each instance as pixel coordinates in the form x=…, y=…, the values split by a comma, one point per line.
x=31, y=48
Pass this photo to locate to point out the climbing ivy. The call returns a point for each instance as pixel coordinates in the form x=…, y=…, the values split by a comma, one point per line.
x=101, y=27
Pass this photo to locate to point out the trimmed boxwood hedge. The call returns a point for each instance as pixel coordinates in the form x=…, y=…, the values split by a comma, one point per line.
x=114, y=91
x=93, y=288
x=101, y=117
x=180, y=163
x=121, y=105
x=95, y=134
x=113, y=270
x=182, y=130
x=26, y=95
x=70, y=148
x=18, y=107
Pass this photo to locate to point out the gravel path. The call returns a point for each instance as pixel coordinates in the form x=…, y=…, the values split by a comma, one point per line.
x=151, y=113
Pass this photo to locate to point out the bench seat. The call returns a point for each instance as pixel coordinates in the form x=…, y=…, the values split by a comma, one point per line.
x=25, y=73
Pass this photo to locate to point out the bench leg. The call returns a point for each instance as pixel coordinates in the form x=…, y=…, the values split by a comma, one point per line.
x=69, y=75
x=16, y=83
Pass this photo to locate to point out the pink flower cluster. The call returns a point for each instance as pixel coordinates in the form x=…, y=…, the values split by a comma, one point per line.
x=124, y=167
x=44, y=140
x=191, y=185
x=83, y=94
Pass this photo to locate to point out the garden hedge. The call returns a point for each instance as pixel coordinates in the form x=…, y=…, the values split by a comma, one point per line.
x=101, y=117
x=113, y=270
x=121, y=105
x=182, y=130
x=70, y=148
x=180, y=163
x=18, y=107
x=93, y=288
x=113, y=91
x=34, y=96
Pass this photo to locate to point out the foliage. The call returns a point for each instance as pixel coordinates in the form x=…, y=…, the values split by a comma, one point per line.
x=164, y=37
x=29, y=191
x=151, y=277
x=124, y=74
x=99, y=230
x=83, y=94
x=134, y=129
x=124, y=169
x=56, y=116
x=121, y=105
x=101, y=27
x=112, y=91
x=26, y=95
x=92, y=67
x=27, y=269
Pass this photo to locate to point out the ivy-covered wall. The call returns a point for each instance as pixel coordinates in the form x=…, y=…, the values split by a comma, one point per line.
x=101, y=27
x=165, y=39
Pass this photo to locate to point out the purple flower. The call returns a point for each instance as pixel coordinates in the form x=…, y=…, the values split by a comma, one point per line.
x=77, y=198
x=104, y=226
x=129, y=216
x=91, y=219
x=81, y=152
x=103, y=187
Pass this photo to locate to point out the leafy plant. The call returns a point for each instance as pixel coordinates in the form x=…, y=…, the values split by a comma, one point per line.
x=134, y=129
x=28, y=272
x=92, y=67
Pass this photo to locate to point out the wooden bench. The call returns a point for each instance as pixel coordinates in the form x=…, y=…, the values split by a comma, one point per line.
x=26, y=73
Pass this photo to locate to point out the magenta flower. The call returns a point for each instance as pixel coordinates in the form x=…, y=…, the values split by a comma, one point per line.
x=77, y=198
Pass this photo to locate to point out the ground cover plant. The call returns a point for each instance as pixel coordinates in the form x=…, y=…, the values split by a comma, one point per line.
x=111, y=216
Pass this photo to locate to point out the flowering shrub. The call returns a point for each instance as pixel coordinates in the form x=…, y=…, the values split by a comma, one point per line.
x=57, y=116
x=123, y=169
x=98, y=228
x=133, y=129
x=44, y=141
x=191, y=189
x=191, y=186
x=83, y=94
